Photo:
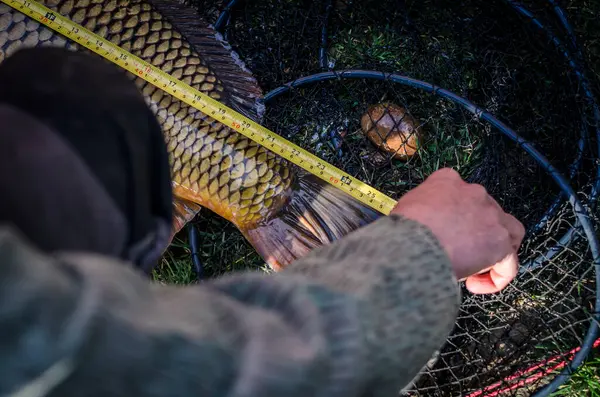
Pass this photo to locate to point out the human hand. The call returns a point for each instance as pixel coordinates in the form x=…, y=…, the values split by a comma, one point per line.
x=481, y=239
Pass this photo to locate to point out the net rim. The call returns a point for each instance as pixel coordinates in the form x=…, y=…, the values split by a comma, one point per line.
x=584, y=217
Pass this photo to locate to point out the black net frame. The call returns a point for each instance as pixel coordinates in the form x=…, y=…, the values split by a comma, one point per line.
x=585, y=226
x=575, y=235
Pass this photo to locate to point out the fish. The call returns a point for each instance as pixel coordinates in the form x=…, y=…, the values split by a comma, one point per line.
x=283, y=211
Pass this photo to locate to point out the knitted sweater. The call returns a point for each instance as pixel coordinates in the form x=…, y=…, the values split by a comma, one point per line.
x=360, y=317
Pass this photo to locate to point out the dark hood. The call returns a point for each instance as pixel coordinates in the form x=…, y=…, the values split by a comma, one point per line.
x=84, y=162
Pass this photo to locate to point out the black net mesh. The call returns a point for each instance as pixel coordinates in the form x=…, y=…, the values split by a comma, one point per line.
x=517, y=61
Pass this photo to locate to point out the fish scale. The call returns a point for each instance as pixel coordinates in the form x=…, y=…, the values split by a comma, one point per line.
x=283, y=212
x=227, y=160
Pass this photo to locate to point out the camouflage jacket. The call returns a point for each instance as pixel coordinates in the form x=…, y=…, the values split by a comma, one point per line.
x=360, y=317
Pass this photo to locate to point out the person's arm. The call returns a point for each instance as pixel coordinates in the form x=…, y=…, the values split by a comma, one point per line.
x=360, y=317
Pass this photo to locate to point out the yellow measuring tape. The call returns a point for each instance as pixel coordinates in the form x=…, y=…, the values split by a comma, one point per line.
x=212, y=108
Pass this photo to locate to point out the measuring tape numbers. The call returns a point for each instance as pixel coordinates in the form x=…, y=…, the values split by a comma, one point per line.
x=209, y=106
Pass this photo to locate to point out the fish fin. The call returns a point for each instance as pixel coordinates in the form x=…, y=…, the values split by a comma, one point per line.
x=316, y=214
x=243, y=93
x=184, y=211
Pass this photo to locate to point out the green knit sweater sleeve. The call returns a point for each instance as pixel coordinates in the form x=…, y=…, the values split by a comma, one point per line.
x=360, y=317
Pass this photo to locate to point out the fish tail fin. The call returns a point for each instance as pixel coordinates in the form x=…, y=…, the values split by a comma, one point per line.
x=184, y=211
x=315, y=214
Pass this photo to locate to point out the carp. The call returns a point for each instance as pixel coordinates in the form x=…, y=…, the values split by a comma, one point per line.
x=283, y=211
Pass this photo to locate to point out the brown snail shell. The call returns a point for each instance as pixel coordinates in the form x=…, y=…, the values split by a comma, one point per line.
x=391, y=129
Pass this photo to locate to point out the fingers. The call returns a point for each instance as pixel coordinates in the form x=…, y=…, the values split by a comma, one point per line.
x=482, y=240
x=516, y=230
x=499, y=276
x=502, y=273
x=446, y=173
x=512, y=224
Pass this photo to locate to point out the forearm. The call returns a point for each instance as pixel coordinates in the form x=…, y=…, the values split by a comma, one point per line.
x=344, y=318
x=399, y=275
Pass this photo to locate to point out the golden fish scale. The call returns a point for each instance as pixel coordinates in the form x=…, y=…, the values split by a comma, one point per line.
x=211, y=164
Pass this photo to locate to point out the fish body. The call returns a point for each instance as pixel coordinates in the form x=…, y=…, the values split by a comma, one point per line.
x=282, y=211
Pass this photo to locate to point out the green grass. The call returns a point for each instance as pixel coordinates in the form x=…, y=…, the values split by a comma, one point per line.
x=222, y=250
x=176, y=265
x=583, y=383
x=356, y=47
x=460, y=150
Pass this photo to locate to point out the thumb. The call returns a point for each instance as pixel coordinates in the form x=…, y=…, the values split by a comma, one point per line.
x=499, y=276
